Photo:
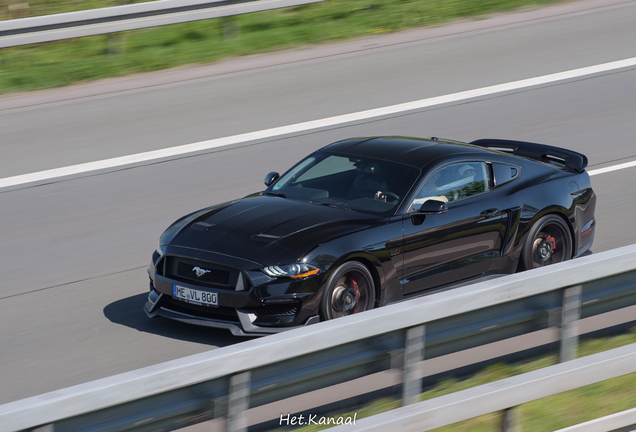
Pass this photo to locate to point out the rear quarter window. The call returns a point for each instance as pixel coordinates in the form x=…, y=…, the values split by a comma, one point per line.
x=504, y=173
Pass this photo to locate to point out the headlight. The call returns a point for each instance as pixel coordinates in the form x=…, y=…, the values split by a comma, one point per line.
x=293, y=270
x=160, y=250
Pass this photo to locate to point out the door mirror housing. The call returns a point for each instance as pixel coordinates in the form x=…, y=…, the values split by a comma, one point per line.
x=271, y=178
x=431, y=207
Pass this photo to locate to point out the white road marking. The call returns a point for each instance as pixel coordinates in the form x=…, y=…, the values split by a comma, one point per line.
x=612, y=168
x=315, y=124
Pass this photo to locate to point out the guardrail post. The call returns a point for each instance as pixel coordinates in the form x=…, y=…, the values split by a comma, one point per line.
x=569, y=323
x=231, y=27
x=413, y=355
x=238, y=402
x=511, y=420
x=115, y=44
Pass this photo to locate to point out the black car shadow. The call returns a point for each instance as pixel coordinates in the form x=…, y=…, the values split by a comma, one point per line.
x=129, y=312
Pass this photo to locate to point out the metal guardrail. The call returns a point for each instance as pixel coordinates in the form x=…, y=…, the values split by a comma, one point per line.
x=612, y=422
x=300, y=369
x=506, y=394
x=128, y=17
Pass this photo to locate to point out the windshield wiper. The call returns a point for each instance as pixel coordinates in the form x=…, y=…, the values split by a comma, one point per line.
x=276, y=194
x=331, y=205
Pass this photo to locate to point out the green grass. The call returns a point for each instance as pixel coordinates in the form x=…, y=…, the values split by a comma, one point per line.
x=547, y=414
x=61, y=63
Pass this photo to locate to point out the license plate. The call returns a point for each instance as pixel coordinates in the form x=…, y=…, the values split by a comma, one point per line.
x=195, y=296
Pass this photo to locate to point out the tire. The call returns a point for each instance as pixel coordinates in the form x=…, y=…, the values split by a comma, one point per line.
x=350, y=290
x=548, y=242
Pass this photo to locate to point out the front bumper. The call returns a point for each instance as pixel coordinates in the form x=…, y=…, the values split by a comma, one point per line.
x=256, y=305
x=244, y=327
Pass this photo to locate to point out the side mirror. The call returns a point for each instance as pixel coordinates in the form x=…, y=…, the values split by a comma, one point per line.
x=271, y=178
x=431, y=207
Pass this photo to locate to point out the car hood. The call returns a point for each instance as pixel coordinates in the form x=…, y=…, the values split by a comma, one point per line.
x=266, y=229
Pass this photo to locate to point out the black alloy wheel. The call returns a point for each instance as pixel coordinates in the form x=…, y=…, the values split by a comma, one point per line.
x=548, y=242
x=350, y=290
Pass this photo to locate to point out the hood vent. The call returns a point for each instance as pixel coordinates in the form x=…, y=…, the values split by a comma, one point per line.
x=201, y=226
x=265, y=237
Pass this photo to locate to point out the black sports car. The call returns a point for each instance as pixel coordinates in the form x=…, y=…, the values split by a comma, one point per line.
x=369, y=221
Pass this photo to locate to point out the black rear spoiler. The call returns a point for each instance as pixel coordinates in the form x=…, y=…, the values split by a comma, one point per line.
x=542, y=152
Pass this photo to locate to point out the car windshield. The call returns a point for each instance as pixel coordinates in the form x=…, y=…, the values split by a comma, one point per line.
x=366, y=185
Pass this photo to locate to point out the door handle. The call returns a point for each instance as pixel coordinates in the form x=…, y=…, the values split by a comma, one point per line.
x=490, y=212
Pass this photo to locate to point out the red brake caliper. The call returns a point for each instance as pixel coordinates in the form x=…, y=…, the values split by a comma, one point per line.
x=357, y=291
x=551, y=241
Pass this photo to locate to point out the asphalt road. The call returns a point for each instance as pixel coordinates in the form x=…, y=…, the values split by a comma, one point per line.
x=74, y=250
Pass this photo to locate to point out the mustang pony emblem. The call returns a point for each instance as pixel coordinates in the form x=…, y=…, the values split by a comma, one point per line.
x=199, y=271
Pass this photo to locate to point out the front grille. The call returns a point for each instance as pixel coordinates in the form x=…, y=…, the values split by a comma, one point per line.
x=183, y=269
x=288, y=309
x=221, y=313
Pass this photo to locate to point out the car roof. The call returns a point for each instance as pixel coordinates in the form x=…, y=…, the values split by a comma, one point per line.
x=416, y=152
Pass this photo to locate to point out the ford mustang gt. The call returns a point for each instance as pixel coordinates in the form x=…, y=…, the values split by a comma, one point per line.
x=365, y=222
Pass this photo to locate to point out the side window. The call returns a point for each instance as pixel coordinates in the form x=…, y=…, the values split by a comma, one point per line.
x=454, y=182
